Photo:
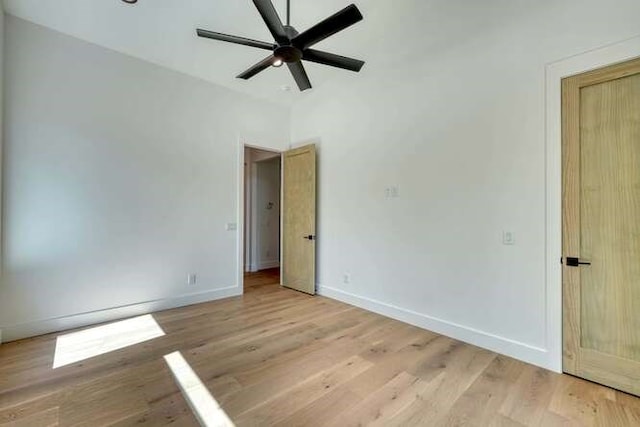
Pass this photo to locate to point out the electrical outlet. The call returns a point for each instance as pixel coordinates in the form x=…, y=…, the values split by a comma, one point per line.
x=346, y=278
x=191, y=279
x=508, y=238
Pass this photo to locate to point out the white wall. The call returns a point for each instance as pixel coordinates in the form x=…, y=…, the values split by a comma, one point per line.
x=120, y=177
x=450, y=108
x=267, y=211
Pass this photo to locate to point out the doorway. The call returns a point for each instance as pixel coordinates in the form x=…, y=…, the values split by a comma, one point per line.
x=262, y=199
x=277, y=239
x=601, y=225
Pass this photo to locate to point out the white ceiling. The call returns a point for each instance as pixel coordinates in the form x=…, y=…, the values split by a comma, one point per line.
x=397, y=39
x=163, y=32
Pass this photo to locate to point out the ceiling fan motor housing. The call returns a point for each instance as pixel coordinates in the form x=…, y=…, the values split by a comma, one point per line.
x=287, y=52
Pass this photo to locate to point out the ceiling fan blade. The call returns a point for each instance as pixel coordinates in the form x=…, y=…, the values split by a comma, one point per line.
x=255, y=69
x=299, y=75
x=333, y=24
x=271, y=18
x=234, y=39
x=332, y=60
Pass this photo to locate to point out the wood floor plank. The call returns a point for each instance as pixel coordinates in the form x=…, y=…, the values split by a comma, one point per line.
x=479, y=403
x=384, y=403
x=278, y=357
x=610, y=412
x=285, y=376
x=46, y=418
x=552, y=419
x=530, y=396
x=283, y=405
x=579, y=400
x=503, y=421
x=321, y=411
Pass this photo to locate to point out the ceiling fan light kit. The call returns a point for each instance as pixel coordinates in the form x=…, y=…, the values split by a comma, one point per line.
x=291, y=47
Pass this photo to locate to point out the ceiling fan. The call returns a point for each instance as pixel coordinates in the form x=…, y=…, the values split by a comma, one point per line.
x=291, y=47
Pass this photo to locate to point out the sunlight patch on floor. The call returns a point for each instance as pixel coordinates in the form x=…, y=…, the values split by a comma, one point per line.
x=78, y=346
x=202, y=403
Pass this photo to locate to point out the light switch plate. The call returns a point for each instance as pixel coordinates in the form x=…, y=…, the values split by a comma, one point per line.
x=232, y=226
x=392, y=192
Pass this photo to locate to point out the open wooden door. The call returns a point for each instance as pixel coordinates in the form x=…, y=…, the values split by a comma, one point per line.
x=601, y=226
x=299, y=219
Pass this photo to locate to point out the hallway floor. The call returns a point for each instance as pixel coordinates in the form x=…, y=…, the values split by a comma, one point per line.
x=262, y=278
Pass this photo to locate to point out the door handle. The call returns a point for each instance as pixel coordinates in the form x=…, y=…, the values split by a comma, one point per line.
x=575, y=262
x=309, y=237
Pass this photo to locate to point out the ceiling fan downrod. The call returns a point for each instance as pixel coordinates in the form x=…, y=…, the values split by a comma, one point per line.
x=288, y=13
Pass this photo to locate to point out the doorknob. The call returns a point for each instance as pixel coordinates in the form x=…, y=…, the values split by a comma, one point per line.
x=309, y=237
x=575, y=262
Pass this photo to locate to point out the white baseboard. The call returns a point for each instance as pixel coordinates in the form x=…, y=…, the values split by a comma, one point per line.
x=41, y=327
x=518, y=350
x=268, y=264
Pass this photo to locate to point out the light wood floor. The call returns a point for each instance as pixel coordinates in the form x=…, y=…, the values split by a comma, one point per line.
x=275, y=356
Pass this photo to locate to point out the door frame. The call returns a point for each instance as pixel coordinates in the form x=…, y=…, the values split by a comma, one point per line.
x=240, y=236
x=555, y=72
